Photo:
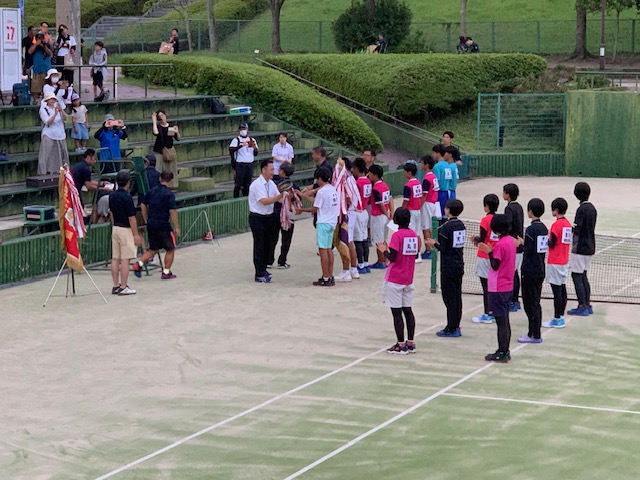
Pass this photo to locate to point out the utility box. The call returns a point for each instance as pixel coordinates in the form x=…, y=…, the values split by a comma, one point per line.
x=10, y=55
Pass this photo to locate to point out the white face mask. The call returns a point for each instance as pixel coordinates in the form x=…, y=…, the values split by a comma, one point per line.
x=54, y=80
x=244, y=133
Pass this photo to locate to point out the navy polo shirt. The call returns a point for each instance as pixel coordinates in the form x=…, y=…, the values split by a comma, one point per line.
x=121, y=206
x=159, y=201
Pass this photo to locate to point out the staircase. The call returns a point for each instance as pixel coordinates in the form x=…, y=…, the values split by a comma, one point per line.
x=105, y=25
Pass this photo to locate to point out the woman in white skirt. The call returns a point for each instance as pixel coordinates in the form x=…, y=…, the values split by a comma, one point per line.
x=53, y=142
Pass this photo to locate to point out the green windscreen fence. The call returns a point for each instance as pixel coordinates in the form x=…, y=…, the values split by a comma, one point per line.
x=520, y=122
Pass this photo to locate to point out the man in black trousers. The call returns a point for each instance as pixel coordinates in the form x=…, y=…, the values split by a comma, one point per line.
x=263, y=194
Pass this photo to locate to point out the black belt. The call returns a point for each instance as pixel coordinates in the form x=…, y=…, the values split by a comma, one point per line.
x=260, y=215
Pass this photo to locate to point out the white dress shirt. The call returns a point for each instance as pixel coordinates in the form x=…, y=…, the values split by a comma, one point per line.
x=279, y=151
x=54, y=131
x=261, y=188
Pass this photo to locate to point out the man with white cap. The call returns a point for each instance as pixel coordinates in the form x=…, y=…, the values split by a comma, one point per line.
x=109, y=136
x=243, y=150
x=53, y=143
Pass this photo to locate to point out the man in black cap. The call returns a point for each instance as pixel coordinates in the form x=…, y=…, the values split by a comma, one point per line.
x=243, y=150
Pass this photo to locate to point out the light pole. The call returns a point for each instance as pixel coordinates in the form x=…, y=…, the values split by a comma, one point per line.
x=603, y=14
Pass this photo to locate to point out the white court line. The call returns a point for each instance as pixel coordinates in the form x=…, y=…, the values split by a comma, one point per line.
x=256, y=408
x=397, y=417
x=547, y=404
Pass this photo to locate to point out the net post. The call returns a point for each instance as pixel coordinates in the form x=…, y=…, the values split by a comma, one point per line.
x=434, y=256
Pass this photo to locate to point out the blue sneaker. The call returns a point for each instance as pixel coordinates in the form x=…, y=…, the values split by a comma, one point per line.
x=484, y=318
x=528, y=339
x=554, y=323
x=514, y=306
x=426, y=255
x=590, y=309
x=579, y=312
x=263, y=279
x=368, y=269
x=137, y=269
x=378, y=266
x=363, y=270
x=446, y=333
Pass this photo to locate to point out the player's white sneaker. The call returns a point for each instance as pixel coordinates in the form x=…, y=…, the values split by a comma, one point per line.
x=344, y=276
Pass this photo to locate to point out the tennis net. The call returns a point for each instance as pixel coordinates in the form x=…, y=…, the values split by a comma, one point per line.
x=614, y=273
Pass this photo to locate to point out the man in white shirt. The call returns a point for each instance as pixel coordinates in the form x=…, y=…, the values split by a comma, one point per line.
x=327, y=208
x=281, y=152
x=263, y=193
x=243, y=150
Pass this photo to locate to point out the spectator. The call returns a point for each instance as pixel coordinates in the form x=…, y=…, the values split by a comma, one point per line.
x=369, y=156
x=99, y=70
x=81, y=173
x=65, y=45
x=109, y=136
x=462, y=45
x=243, y=150
x=80, y=119
x=175, y=41
x=165, y=136
x=53, y=143
x=153, y=175
x=472, y=46
x=41, y=56
x=44, y=30
x=381, y=44
x=282, y=152
x=27, y=41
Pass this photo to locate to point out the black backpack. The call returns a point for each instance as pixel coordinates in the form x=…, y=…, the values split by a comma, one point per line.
x=20, y=95
x=217, y=107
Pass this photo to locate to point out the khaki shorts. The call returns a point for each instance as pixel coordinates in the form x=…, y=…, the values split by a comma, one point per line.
x=395, y=295
x=37, y=82
x=123, y=247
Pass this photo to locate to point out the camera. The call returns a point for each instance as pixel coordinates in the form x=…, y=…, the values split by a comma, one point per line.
x=114, y=123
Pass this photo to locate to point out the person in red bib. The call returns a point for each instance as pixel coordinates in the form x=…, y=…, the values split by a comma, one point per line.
x=489, y=237
x=412, y=198
x=381, y=211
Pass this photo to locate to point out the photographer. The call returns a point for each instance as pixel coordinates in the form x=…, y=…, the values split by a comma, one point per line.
x=109, y=136
x=53, y=143
x=165, y=136
x=243, y=150
x=65, y=46
x=41, y=56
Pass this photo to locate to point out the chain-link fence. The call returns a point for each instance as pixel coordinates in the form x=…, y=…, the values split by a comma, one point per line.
x=246, y=36
x=520, y=122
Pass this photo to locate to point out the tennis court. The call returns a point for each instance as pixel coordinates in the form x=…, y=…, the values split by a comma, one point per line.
x=212, y=376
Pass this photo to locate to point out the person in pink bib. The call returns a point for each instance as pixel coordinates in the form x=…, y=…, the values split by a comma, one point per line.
x=398, y=289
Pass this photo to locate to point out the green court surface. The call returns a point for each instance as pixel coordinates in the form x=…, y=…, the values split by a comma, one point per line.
x=212, y=376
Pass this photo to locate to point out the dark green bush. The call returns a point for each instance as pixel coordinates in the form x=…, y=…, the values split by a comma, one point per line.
x=127, y=8
x=263, y=88
x=355, y=29
x=409, y=86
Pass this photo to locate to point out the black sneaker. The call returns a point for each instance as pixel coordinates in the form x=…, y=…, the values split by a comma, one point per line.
x=333, y=281
x=498, y=356
x=321, y=282
x=116, y=290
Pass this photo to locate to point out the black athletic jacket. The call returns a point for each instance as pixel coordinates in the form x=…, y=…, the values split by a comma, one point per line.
x=451, y=239
x=584, y=230
x=533, y=258
x=515, y=214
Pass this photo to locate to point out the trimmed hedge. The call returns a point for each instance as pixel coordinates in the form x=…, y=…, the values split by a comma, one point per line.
x=407, y=85
x=263, y=88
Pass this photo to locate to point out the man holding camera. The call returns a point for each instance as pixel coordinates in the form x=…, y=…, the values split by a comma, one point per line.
x=41, y=57
x=243, y=150
x=109, y=136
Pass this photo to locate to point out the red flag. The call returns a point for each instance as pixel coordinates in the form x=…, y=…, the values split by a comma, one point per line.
x=71, y=218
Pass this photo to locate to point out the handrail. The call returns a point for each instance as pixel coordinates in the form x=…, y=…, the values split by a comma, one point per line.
x=409, y=128
x=632, y=77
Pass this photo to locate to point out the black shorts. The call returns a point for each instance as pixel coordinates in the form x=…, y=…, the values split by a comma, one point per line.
x=98, y=79
x=499, y=303
x=161, y=240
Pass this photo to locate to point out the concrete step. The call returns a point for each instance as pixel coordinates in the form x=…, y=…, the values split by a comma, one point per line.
x=196, y=184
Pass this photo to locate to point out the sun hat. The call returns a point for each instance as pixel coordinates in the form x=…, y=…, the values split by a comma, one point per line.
x=48, y=96
x=75, y=96
x=51, y=71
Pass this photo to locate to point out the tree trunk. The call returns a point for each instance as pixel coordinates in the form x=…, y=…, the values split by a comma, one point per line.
x=463, y=17
x=211, y=20
x=615, y=42
x=182, y=10
x=581, y=34
x=276, y=7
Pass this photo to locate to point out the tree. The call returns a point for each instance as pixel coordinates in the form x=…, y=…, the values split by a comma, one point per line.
x=463, y=17
x=582, y=8
x=276, y=7
x=618, y=6
x=181, y=7
x=370, y=8
x=354, y=30
x=211, y=21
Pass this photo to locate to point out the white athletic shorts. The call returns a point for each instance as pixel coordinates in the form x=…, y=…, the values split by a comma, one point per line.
x=557, y=274
x=427, y=212
x=482, y=267
x=378, y=228
x=395, y=295
x=360, y=225
x=416, y=222
x=579, y=263
x=351, y=225
x=519, y=257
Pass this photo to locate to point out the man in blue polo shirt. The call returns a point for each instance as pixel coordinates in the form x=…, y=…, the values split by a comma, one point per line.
x=160, y=212
x=109, y=137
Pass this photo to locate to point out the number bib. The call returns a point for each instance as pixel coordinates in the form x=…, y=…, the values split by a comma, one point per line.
x=436, y=184
x=543, y=244
x=447, y=174
x=417, y=191
x=410, y=246
x=386, y=196
x=366, y=191
x=567, y=235
x=459, y=238
x=493, y=236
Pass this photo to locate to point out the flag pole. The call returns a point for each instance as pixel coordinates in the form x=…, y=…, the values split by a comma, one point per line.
x=54, y=283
